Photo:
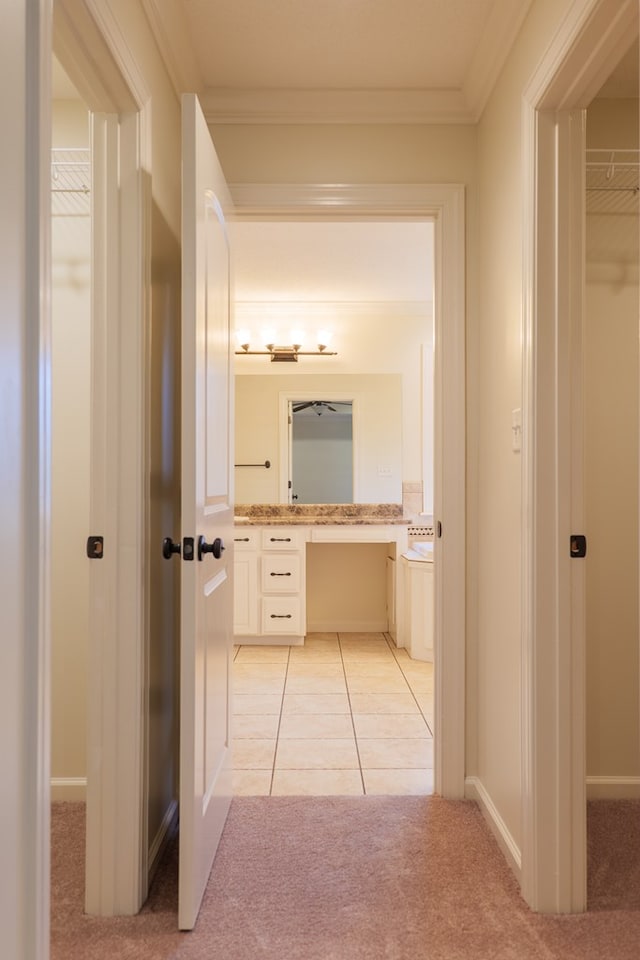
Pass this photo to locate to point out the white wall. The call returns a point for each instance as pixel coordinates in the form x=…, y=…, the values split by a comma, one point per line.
x=71, y=404
x=495, y=390
x=611, y=462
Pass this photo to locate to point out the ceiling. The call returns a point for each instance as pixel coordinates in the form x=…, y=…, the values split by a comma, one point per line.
x=337, y=60
x=339, y=263
x=359, y=60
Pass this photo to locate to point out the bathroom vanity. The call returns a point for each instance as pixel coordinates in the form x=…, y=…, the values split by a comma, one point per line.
x=270, y=566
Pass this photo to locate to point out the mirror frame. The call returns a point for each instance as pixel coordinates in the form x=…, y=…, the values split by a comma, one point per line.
x=284, y=453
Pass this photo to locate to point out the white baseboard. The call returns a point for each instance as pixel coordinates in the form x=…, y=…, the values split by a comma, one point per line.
x=347, y=626
x=69, y=788
x=474, y=790
x=613, y=788
x=162, y=836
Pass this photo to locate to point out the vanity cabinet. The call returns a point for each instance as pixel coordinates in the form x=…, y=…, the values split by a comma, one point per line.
x=269, y=583
x=245, y=584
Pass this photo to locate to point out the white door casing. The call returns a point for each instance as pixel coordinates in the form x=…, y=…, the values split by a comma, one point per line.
x=590, y=42
x=25, y=49
x=445, y=205
x=92, y=49
x=206, y=640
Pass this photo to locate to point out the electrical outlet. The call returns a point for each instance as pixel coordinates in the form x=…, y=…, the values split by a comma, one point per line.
x=384, y=471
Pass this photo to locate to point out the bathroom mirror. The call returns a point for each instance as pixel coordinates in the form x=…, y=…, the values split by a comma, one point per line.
x=371, y=412
x=320, y=451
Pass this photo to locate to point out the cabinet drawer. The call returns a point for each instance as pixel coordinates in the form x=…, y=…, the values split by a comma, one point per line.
x=281, y=574
x=244, y=538
x=281, y=538
x=282, y=615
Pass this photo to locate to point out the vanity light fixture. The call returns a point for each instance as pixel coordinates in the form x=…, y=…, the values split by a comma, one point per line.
x=288, y=353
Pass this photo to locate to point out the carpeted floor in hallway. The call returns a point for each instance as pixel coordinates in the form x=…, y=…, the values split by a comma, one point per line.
x=336, y=878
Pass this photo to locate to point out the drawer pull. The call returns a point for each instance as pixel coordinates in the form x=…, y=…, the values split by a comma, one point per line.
x=280, y=539
x=281, y=616
x=288, y=574
x=241, y=539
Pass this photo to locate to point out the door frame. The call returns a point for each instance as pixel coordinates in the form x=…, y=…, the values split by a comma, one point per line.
x=588, y=44
x=89, y=43
x=444, y=204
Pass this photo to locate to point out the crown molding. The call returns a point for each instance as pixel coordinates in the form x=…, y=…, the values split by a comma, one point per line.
x=269, y=106
x=498, y=36
x=348, y=106
x=167, y=22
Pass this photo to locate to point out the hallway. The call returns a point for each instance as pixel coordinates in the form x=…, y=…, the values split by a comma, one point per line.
x=345, y=714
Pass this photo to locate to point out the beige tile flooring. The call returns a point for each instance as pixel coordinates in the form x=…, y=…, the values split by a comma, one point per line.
x=347, y=713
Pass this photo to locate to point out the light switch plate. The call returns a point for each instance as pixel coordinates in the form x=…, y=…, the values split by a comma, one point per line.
x=516, y=430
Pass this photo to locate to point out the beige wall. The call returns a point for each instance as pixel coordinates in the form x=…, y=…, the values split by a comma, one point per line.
x=70, y=432
x=260, y=434
x=495, y=358
x=611, y=460
x=347, y=586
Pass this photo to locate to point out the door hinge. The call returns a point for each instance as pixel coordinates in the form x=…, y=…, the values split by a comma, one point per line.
x=577, y=545
x=438, y=529
x=95, y=548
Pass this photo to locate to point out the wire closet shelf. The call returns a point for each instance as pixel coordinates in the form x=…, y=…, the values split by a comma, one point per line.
x=612, y=180
x=70, y=182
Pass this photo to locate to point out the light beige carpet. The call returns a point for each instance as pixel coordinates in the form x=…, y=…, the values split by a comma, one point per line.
x=381, y=878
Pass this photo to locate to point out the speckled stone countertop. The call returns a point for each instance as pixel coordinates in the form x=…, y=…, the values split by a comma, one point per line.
x=314, y=514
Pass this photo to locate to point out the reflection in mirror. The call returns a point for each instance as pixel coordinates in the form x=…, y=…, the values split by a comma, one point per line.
x=321, y=451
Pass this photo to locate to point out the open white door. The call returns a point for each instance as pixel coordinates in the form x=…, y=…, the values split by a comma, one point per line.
x=207, y=516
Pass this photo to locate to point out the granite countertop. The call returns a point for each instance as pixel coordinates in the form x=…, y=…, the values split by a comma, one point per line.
x=272, y=514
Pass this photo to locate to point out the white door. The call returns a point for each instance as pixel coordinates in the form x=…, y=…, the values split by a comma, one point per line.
x=207, y=517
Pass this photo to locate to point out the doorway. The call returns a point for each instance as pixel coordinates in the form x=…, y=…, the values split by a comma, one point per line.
x=582, y=55
x=388, y=341
x=612, y=309
x=71, y=435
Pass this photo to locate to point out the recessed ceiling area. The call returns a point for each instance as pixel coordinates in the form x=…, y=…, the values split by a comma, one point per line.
x=335, y=44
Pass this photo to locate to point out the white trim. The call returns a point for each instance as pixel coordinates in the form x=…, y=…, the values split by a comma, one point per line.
x=116, y=876
x=475, y=790
x=263, y=105
x=268, y=106
x=25, y=436
x=68, y=789
x=127, y=67
x=169, y=27
x=445, y=205
x=613, y=788
x=96, y=55
x=553, y=652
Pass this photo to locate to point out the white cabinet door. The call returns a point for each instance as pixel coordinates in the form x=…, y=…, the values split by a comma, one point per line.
x=206, y=633
x=245, y=606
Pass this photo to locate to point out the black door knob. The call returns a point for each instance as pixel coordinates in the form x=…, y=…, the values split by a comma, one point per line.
x=215, y=548
x=169, y=548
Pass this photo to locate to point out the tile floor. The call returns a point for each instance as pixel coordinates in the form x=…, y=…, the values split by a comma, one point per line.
x=345, y=714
